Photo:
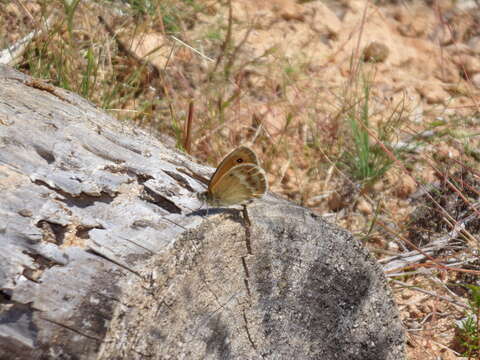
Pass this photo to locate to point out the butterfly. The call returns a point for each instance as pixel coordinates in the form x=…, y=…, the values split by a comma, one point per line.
x=237, y=179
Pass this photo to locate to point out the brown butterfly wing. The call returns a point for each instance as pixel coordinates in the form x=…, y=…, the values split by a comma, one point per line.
x=239, y=184
x=241, y=155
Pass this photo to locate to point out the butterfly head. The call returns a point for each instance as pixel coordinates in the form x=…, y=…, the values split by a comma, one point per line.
x=206, y=198
x=203, y=196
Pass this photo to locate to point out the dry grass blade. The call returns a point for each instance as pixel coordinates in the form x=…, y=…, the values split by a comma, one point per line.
x=187, y=144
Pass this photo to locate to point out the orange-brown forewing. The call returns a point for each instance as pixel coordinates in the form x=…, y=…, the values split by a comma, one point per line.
x=239, y=156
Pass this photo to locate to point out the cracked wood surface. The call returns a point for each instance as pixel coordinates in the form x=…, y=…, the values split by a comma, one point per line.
x=104, y=254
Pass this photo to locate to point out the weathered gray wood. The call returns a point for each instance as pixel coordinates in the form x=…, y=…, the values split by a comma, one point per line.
x=103, y=254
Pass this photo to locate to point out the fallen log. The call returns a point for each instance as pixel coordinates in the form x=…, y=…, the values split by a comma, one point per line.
x=105, y=255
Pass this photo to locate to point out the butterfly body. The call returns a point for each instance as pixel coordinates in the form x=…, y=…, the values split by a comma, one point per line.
x=237, y=180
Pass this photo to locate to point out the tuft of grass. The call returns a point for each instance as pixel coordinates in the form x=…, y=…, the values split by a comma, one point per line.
x=468, y=331
x=103, y=67
x=365, y=159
